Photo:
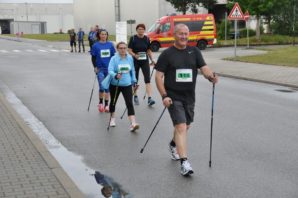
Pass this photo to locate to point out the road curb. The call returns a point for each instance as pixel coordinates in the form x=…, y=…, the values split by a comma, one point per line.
x=257, y=80
x=69, y=186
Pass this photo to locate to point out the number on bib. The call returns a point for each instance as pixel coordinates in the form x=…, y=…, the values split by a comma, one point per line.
x=184, y=75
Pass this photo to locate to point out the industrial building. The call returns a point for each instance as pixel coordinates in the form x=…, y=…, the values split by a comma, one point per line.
x=42, y=17
x=105, y=13
x=31, y=18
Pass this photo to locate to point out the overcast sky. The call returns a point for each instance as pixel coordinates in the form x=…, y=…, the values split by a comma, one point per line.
x=36, y=1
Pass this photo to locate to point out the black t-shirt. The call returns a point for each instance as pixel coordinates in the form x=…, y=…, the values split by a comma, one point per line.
x=138, y=45
x=72, y=36
x=180, y=68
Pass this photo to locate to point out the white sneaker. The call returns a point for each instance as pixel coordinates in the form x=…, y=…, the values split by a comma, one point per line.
x=186, y=169
x=113, y=122
x=134, y=127
x=174, y=153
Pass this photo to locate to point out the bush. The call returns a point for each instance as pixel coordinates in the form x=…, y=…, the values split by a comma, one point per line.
x=243, y=32
x=221, y=29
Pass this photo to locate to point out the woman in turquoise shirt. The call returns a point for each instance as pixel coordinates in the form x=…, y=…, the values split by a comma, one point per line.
x=121, y=69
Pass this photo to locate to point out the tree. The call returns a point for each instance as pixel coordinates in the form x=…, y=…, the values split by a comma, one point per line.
x=184, y=5
x=259, y=8
x=181, y=5
x=285, y=21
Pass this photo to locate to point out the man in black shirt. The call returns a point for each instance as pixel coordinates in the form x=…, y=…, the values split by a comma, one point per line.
x=72, y=40
x=176, y=73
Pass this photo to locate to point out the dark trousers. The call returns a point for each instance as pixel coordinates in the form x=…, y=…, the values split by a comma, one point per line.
x=127, y=95
x=90, y=44
x=81, y=42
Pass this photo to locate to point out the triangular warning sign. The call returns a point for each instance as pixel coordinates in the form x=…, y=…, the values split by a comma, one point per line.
x=236, y=13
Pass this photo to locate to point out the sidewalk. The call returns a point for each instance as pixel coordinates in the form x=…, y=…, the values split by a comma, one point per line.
x=27, y=169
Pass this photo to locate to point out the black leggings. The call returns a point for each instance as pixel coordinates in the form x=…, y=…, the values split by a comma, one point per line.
x=144, y=65
x=127, y=95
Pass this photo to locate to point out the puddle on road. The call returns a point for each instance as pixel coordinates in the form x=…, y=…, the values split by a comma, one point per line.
x=92, y=183
x=286, y=90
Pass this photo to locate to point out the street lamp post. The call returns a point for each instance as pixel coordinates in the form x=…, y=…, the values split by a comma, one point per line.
x=26, y=5
x=294, y=21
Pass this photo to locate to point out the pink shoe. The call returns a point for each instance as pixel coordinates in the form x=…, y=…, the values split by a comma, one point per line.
x=107, y=109
x=101, y=108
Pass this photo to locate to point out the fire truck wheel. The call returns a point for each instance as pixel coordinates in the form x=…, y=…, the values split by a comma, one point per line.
x=202, y=44
x=154, y=46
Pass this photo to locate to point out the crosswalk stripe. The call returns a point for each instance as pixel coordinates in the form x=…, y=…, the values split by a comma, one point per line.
x=33, y=50
x=41, y=50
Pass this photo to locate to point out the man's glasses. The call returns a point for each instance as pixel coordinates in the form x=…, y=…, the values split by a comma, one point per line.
x=122, y=48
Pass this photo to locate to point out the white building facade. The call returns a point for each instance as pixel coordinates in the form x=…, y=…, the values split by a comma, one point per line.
x=105, y=13
x=56, y=17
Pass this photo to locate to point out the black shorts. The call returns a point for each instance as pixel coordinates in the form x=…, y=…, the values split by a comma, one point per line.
x=181, y=112
x=73, y=43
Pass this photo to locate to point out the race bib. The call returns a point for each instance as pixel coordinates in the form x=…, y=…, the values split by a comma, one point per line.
x=142, y=56
x=184, y=75
x=124, y=68
x=105, y=53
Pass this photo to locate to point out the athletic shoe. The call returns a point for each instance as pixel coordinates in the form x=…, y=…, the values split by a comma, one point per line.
x=134, y=127
x=186, y=169
x=113, y=122
x=107, y=109
x=101, y=108
x=151, y=102
x=173, y=151
x=136, y=100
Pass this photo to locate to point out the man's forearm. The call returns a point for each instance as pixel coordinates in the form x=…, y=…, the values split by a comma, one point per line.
x=160, y=83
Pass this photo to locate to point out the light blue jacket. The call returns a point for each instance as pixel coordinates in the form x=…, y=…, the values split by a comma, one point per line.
x=124, y=66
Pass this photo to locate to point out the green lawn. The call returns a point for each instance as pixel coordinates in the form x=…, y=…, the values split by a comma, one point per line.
x=287, y=56
x=264, y=40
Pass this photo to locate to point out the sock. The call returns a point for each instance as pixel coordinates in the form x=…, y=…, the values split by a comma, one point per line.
x=100, y=100
x=106, y=102
x=183, y=159
x=172, y=143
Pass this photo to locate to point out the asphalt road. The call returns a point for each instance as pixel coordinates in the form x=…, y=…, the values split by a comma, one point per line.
x=255, y=129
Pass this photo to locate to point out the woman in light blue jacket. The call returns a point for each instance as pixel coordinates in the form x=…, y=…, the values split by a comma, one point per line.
x=121, y=69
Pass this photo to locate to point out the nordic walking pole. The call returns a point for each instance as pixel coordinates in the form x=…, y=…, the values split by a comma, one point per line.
x=211, y=128
x=91, y=94
x=114, y=101
x=135, y=89
x=150, y=79
x=153, y=130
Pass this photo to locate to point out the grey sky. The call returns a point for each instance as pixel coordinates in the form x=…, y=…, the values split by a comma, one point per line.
x=36, y=1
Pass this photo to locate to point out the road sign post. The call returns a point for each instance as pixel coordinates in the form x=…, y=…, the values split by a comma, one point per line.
x=246, y=18
x=235, y=15
x=130, y=22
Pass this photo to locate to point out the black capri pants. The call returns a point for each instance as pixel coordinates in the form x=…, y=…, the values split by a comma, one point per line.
x=127, y=95
x=144, y=65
